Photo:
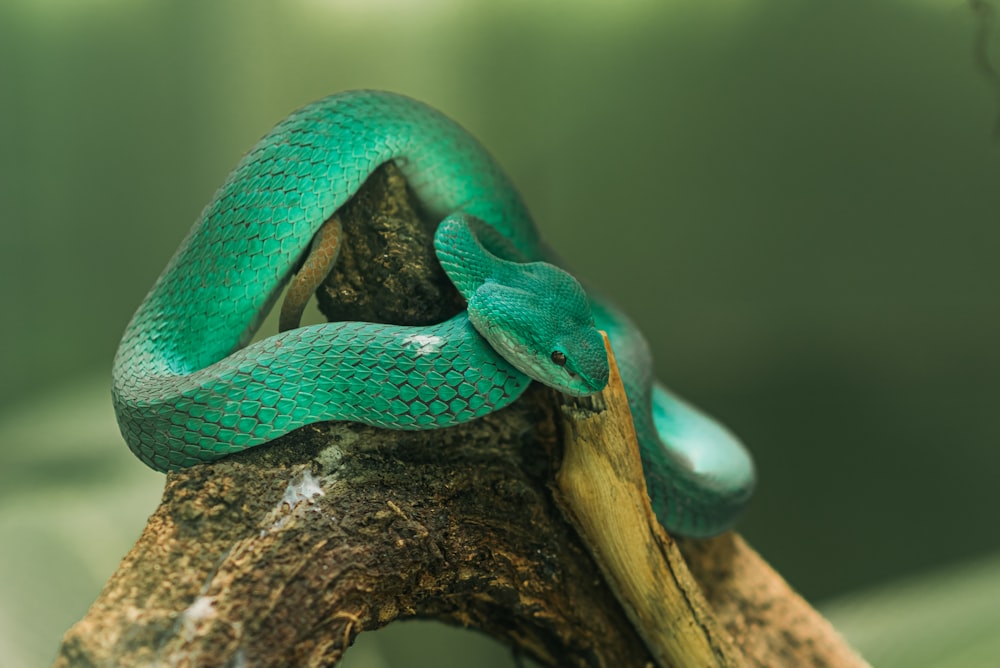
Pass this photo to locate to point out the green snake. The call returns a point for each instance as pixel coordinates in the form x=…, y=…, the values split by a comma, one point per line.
x=188, y=389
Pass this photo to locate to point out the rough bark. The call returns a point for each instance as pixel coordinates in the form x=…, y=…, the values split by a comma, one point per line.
x=283, y=554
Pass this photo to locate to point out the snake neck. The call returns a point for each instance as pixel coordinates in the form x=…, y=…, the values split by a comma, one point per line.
x=462, y=255
x=535, y=315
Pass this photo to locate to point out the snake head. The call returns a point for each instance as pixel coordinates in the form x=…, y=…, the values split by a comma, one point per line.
x=538, y=318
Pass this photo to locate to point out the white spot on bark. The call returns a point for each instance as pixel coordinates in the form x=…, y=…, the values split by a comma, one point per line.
x=299, y=495
x=303, y=487
x=202, y=609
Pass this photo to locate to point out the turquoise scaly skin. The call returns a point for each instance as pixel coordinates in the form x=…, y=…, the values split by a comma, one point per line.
x=188, y=389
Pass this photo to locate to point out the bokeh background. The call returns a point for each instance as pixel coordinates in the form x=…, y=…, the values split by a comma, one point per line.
x=797, y=200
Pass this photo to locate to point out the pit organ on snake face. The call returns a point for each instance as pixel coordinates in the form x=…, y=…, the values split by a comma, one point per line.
x=187, y=389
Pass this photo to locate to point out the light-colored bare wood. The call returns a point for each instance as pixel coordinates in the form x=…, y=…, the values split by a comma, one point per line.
x=729, y=608
x=604, y=495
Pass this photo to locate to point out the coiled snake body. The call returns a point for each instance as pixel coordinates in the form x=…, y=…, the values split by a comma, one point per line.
x=187, y=389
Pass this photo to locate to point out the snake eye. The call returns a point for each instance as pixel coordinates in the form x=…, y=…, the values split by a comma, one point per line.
x=559, y=358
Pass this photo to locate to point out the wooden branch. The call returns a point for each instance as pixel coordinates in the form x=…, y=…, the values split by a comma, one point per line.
x=601, y=490
x=289, y=551
x=283, y=554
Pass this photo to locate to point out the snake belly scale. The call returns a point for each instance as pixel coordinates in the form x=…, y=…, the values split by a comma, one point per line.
x=187, y=388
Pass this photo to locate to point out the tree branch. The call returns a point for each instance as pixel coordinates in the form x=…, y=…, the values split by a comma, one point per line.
x=733, y=611
x=281, y=555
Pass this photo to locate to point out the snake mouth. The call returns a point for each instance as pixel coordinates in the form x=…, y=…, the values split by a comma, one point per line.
x=536, y=367
x=578, y=385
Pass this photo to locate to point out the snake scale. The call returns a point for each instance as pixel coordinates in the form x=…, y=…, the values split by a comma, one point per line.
x=187, y=387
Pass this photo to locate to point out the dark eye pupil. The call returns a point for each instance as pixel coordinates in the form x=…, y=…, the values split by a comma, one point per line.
x=559, y=358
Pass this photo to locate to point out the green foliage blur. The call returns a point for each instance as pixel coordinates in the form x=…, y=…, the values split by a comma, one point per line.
x=797, y=200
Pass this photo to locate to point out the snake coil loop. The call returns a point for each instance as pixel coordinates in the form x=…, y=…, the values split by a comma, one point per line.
x=187, y=389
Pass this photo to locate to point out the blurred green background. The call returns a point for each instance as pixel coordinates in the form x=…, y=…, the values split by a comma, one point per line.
x=797, y=200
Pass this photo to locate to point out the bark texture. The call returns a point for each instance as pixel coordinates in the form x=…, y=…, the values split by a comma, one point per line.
x=281, y=555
